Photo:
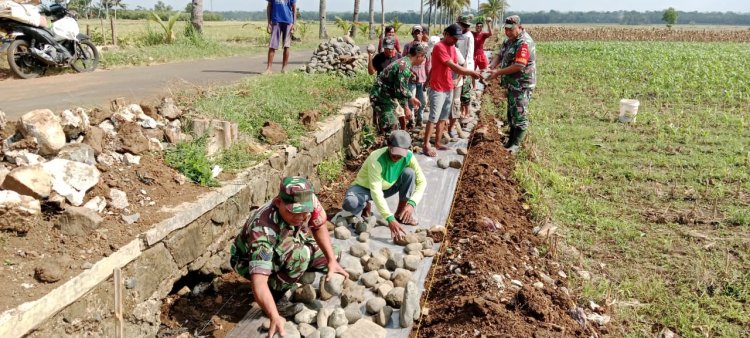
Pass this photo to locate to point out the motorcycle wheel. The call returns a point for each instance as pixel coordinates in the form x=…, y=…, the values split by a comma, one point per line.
x=86, y=57
x=22, y=63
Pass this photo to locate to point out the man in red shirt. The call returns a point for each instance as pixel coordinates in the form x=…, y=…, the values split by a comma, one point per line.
x=440, y=79
x=480, y=60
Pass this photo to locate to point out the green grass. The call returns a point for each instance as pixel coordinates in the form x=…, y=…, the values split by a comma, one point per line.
x=278, y=98
x=331, y=169
x=628, y=195
x=238, y=157
x=191, y=159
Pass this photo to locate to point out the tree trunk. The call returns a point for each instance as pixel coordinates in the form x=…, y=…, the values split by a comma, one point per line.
x=430, y=14
x=323, y=32
x=371, y=33
x=421, y=13
x=196, y=16
x=382, y=19
x=355, y=18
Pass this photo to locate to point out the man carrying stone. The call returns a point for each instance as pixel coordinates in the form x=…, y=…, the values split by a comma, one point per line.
x=378, y=62
x=387, y=171
x=517, y=61
x=391, y=89
x=280, y=242
x=280, y=14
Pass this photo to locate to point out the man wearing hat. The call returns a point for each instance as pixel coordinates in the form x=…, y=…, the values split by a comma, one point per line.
x=376, y=64
x=388, y=171
x=391, y=89
x=462, y=91
x=440, y=79
x=517, y=69
x=280, y=242
x=417, y=81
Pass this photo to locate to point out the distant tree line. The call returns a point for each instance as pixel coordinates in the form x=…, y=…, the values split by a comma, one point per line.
x=543, y=17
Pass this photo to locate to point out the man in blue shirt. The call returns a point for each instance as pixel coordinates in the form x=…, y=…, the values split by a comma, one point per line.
x=281, y=18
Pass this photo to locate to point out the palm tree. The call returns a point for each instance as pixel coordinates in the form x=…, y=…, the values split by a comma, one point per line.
x=322, y=32
x=196, y=16
x=371, y=34
x=355, y=17
x=493, y=9
x=382, y=18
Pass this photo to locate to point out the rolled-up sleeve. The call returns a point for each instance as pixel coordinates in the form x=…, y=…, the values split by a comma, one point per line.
x=261, y=255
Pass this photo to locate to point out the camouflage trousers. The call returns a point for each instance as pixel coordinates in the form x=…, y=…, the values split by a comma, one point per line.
x=384, y=114
x=466, y=91
x=518, y=108
x=290, y=262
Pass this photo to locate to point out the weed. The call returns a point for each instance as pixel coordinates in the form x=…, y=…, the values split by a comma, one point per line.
x=238, y=157
x=330, y=169
x=191, y=159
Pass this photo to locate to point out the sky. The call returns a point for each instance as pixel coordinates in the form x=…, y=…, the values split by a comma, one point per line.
x=742, y=6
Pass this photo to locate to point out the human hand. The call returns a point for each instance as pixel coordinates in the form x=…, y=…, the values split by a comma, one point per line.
x=407, y=214
x=397, y=233
x=493, y=74
x=333, y=268
x=475, y=74
x=268, y=28
x=415, y=102
x=277, y=326
x=291, y=29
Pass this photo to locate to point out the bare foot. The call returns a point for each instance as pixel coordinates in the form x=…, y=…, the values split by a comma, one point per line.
x=429, y=151
x=441, y=147
x=268, y=71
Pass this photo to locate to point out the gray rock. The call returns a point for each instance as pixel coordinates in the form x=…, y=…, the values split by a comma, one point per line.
x=358, y=250
x=97, y=204
x=401, y=277
x=462, y=151
x=44, y=125
x=371, y=49
x=428, y=252
x=374, y=305
x=385, y=274
x=457, y=164
x=30, y=181
x=342, y=233
x=369, y=279
x=353, y=266
x=305, y=316
x=375, y=263
x=395, y=297
x=74, y=123
x=413, y=247
x=384, y=316
x=291, y=331
x=327, y=332
x=323, y=316
x=132, y=218
x=118, y=199
x=364, y=237
x=169, y=110
x=131, y=159
x=3, y=120
x=78, y=221
x=49, y=272
x=443, y=163
x=365, y=329
x=411, y=262
x=78, y=152
x=384, y=289
x=410, y=308
x=395, y=261
x=307, y=278
x=353, y=312
x=337, y=318
x=353, y=294
x=335, y=284
x=304, y=294
x=306, y=330
x=428, y=243
x=72, y=179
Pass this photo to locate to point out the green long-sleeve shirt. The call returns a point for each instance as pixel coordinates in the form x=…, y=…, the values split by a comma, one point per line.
x=379, y=173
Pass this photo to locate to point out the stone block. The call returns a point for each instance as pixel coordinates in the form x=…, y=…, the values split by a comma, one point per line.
x=153, y=268
x=189, y=243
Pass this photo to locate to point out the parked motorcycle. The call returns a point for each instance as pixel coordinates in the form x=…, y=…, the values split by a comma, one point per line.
x=32, y=50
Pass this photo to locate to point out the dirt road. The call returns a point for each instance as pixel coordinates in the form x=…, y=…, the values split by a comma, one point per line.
x=136, y=84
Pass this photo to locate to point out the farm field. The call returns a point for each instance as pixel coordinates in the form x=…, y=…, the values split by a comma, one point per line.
x=658, y=211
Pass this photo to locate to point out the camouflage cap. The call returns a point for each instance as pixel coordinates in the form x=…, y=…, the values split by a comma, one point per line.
x=512, y=21
x=297, y=194
x=389, y=42
x=418, y=48
x=464, y=20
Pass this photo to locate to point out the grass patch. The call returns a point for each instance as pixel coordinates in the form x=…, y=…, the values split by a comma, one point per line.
x=191, y=159
x=634, y=196
x=278, y=98
x=331, y=169
x=238, y=157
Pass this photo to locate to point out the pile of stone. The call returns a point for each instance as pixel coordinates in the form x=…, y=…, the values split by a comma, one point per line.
x=54, y=159
x=338, y=55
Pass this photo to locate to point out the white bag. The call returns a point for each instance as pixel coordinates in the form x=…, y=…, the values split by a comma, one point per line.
x=28, y=14
x=66, y=27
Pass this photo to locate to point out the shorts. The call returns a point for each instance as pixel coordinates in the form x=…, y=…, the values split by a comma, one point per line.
x=440, y=106
x=480, y=60
x=280, y=32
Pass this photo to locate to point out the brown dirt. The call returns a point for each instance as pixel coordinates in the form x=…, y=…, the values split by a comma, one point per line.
x=151, y=181
x=470, y=302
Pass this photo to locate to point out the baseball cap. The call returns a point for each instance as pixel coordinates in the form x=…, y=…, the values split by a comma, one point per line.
x=512, y=21
x=455, y=30
x=399, y=143
x=389, y=42
x=297, y=194
x=418, y=48
x=416, y=28
x=464, y=20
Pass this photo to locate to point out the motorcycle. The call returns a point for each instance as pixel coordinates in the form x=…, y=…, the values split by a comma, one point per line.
x=32, y=50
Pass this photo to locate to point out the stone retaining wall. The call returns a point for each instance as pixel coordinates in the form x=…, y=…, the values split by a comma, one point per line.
x=196, y=238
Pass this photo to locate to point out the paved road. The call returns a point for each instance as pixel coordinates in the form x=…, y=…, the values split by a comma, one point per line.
x=18, y=97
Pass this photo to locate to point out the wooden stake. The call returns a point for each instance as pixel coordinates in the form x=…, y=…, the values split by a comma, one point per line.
x=119, y=324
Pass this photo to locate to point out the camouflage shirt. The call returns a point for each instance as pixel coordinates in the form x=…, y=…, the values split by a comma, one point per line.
x=520, y=51
x=393, y=82
x=266, y=238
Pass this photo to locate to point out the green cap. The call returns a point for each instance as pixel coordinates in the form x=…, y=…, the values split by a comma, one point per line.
x=297, y=194
x=464, y=20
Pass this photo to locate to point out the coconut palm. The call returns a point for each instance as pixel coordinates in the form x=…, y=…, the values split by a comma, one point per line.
x=355, y=18
x=371, y=35
x=493, y=9
x=322, y=32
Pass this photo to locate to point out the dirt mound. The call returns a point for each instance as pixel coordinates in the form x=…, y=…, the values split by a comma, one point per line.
x=494, y=278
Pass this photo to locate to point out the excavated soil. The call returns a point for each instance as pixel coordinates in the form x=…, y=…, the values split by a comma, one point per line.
x=150, y=186
x=489, y=248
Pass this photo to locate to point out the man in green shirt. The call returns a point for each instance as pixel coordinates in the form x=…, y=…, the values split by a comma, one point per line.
x=388, y=171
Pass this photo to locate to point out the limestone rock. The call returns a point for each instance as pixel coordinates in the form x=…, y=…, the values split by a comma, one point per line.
x=369, y=279
x=95, y=138
x=383, y=289
x=78, y=221
x=72, y=179
x=126, y=114
x=352, y=266
x=305, y=316
x=342, y=233
x=291, y=331
x=30, y=181
x=411, y=262
x=363, y=237
x=462, y=151
x=337, y=318
x=132, y=140
x=74, y=123
x=385, y=274
x=169, y=110
x=383, y=317
x=327, y=332
x=3, y=173
x=395, y=297
x=273, y=133
x=118, y=199
x=308, y=278
x=78, y=152
x=443, y=163
x=358, y=250
x=335, y=284
x=48, y=272
x=406, y=240
x=410, y=307
x=353, y=294
x=306, y=330
x=304, y=294
x=323, y=316
x=18, y=213
x=365, y=329
x=375, y=263
x=45, y=126
x=374, y=305
x=353, y=313
x=401, y=277
x=131, y=218
x=457, y=164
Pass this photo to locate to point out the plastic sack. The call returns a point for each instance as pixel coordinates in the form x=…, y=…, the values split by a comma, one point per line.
x=66, y=27
x=28, y=14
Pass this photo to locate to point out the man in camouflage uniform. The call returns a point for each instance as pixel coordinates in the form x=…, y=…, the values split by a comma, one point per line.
x=280, y=242
x=517, y=60
x=392, y=85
